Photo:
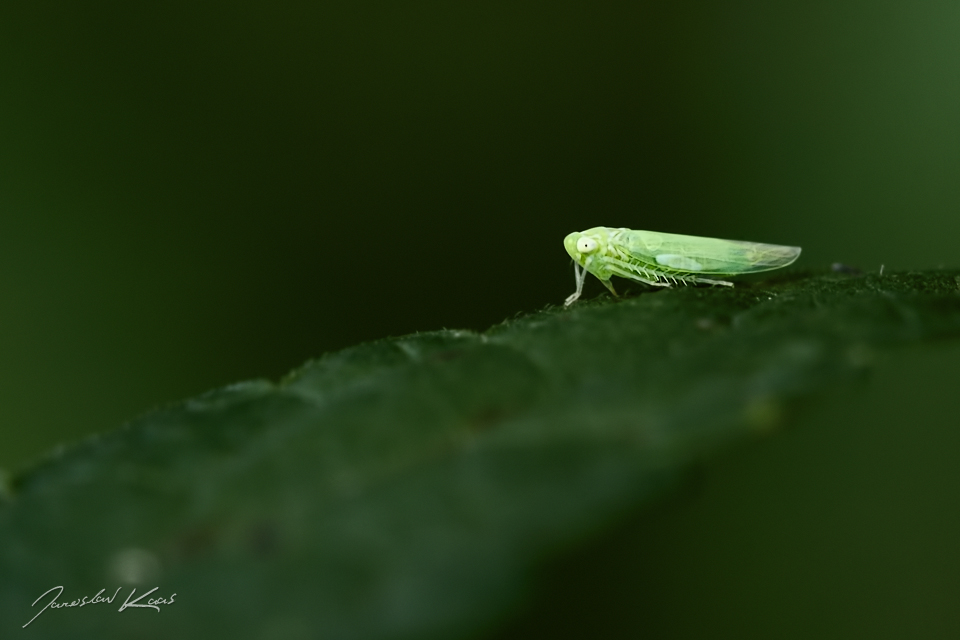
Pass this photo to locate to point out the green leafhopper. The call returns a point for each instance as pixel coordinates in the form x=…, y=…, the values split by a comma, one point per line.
x=659, y=259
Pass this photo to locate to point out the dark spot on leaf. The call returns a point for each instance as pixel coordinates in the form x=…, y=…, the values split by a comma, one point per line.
x=195, y=542
x=446, y=355
x=264, y=538
x=487, y=418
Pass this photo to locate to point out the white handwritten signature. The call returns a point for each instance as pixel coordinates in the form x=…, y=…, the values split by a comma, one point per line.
x=152, y=603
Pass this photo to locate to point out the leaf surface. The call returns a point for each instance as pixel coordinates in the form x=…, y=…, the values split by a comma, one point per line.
x=407, y=488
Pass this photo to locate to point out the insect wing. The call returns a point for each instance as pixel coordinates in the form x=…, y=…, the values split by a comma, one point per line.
x=706, y=255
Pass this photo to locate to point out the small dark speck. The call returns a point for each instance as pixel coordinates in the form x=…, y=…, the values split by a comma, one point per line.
x=196, y=541
x=839, y=267
x=446, y=355
x=487, y=418
x=264, y=539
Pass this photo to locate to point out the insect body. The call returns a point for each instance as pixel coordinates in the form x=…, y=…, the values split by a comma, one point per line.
x=662, y=259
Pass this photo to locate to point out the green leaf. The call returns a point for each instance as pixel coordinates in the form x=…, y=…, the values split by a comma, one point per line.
x=408, y=487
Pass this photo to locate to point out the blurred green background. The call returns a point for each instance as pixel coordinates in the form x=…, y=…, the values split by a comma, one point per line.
x=845, y=527
x=195, y=193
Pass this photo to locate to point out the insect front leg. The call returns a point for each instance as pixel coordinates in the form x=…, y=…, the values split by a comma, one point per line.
x=579, y=276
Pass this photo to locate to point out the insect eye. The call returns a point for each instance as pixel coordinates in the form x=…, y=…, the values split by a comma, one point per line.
x=586, y=245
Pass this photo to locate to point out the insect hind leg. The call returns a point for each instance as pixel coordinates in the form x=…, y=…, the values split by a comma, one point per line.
x=706, y=280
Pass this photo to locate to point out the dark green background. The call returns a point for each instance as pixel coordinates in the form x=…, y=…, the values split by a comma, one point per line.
x=194, y=193
x=845, y=527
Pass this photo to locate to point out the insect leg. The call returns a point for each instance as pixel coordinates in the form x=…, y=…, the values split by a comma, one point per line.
x=579, y=277
x=709, y=281
x=609, y=285
x=619, y=270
